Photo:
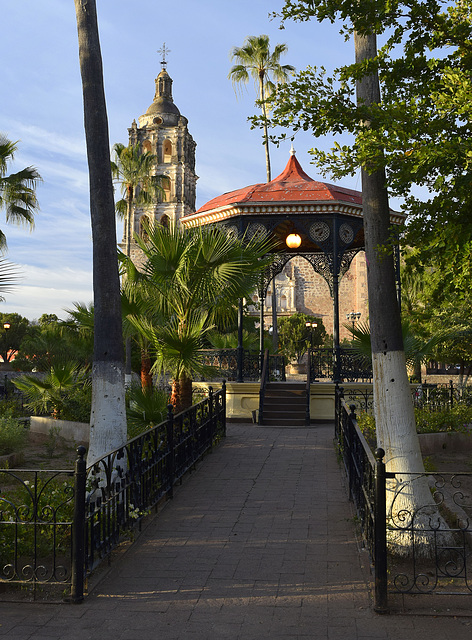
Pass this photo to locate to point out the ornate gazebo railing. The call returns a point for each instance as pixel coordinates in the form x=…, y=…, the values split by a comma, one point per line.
x=352, y=368
x=224, y=363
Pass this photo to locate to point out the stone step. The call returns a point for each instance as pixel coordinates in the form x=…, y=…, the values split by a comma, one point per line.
x=286, y=386
x=277, y=422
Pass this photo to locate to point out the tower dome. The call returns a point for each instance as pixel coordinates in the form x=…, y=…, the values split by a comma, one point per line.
x=162, y=110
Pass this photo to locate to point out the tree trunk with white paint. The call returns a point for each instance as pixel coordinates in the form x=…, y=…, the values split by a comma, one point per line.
x=393, y=403
x=108, y=416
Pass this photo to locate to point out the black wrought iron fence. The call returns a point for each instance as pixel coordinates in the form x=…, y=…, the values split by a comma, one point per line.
x=36, y=522
x=359, y=465
x=435, y=397
x=352, y=368
x=57, y=526
x=361, y=397
x=416, y=526
x=441, y=395
x=224, y=363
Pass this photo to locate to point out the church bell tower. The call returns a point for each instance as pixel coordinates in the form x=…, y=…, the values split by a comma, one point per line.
x=163, y=131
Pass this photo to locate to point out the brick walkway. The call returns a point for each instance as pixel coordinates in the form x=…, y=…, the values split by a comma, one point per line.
x=258, y=543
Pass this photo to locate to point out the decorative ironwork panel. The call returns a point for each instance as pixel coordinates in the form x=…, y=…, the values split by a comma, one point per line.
x=359, y=464
x=430, y=543
x=224, y=365
x=363, y=399
x=36, y=512
x=352, y=368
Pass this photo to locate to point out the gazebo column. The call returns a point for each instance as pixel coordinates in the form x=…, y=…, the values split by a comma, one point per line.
x=239, y=350
x=275, y=339
x=336, y=349
x=261, y=328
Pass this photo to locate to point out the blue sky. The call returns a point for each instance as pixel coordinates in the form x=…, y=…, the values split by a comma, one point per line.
x=42, y=108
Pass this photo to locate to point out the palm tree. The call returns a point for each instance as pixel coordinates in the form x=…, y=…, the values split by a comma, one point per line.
x=17, y=190
x=134, y=302
x=255, y=59
x=417, y=348
x=53, y=393
x=192, y=280
x=108, y=415
x=8, y=277
x=132, y=169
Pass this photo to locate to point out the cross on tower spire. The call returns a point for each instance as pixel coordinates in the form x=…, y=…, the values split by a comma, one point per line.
x=164, y=51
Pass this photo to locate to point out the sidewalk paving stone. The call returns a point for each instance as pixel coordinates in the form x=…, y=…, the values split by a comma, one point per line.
x=258, y=543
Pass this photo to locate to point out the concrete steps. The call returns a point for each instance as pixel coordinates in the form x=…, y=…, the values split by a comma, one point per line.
x=285, y=404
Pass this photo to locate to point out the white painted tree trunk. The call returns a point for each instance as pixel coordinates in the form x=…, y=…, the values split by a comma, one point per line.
x=410, y=502
x=108, y=415
x=394, y=412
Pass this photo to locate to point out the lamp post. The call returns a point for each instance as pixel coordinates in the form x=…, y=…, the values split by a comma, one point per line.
x=311, y=326
x=353, y=316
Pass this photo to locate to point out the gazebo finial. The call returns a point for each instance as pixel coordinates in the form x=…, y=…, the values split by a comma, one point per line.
x=292, y=150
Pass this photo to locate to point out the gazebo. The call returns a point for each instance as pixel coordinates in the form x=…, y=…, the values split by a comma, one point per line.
x=321, y=222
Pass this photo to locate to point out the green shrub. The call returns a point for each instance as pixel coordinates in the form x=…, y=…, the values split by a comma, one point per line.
x=366, y=424
x=145, y=409
x=12, y=435
x=65, y=392
x=12, y=406
x=457, y=418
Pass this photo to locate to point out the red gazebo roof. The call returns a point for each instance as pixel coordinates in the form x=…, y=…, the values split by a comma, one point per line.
x=292, y=185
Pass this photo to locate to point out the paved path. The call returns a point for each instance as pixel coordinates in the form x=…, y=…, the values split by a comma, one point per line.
x=258, y=543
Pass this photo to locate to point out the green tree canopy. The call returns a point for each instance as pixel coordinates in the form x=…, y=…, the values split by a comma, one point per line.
x=13, y=329
x=420, y=131
x=295, y=338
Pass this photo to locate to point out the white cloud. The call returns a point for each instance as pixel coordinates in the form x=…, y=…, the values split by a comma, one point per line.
x=48, y=290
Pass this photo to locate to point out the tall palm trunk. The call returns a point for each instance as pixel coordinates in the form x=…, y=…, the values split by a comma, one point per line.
x=129, y=213
x=108, y=415
x=275, y=339
x=146, y=377
x=181, y=395
x=266, y=132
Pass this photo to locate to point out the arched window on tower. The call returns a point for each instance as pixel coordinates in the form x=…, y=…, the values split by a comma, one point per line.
x=147, y=146
x=144, y=223
x=167, y=151
x=167, y=187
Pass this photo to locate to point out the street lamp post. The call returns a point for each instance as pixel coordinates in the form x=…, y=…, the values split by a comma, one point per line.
x=312, y=326
x=353, y=316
